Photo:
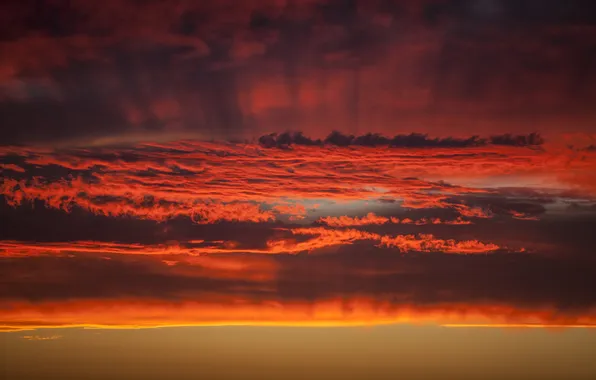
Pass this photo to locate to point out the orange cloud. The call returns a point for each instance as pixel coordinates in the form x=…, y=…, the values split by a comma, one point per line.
x=404, y=243
x=133, y=313
x=428, y=243
x=347, y=221
x=321, y=238
x=522, y=216
x=371, y=219
x=325, y=237
x=224, y=182
x=295, y=211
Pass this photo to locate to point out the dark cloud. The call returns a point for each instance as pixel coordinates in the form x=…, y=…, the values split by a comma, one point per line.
x=413, y=140
x=522, y=281
x=504, y=202
x=516, y=279
x=54, y=278
x=533, y=139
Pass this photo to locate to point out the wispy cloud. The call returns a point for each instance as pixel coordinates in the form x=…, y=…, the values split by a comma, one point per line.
x=41, y=337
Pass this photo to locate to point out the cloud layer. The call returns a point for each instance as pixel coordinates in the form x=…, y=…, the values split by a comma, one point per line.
x=312, y=234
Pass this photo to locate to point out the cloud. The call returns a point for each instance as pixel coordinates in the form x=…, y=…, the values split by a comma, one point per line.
x=41, y=337
x=522, y=216
x=12, y=167
x=413, y=140
x=426, y=242
x=372, y=218
x=211, y=182
x=533, y=139
x=230, y=212
x=346, y=221
x=294, y=211
x=321, y=238
x=404, y=243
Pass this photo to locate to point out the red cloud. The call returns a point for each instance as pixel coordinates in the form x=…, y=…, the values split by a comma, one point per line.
x=372, y=218
x=12, y=167
x=218, y=177
x=321, y=238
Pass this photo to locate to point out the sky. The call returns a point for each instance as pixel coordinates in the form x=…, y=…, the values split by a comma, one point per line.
x=86, y=71
x=238, y=189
